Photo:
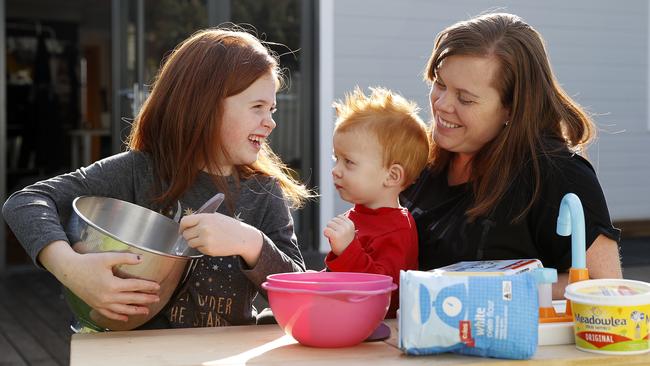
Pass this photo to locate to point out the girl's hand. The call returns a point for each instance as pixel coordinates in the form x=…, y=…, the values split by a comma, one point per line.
x=340, y=232
x=218, y=235
x=90, y=277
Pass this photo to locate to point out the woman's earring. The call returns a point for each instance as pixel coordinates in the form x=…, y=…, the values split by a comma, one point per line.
x=506, y=124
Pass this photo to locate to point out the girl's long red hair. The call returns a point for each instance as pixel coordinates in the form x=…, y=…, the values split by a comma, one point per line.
x=179, y=123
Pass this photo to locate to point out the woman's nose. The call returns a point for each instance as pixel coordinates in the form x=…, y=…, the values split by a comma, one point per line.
x=441, y=101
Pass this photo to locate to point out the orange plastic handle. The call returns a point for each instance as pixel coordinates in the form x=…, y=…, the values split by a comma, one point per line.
x=576, y=275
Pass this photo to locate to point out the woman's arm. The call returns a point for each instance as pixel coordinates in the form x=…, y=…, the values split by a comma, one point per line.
x=603, y=261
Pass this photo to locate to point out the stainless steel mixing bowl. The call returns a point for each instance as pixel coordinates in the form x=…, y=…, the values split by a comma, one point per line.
x=102, y=224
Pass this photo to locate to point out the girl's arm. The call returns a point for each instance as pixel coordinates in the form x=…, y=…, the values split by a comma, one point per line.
x=266, y=242
x=280, y=251
x=218, y=235
x=90, y=276
x=39, y=213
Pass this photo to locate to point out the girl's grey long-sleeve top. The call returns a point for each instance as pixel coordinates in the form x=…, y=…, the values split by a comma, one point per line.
x=220, y=290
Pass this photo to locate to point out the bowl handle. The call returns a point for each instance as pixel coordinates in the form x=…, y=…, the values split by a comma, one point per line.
x=360, y=296
x=354, y=298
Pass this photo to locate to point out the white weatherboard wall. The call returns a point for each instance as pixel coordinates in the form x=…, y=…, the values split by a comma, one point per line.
x=599, y=53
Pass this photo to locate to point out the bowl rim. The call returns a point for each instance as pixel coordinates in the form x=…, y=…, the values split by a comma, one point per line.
x=372, y=278
x=129, y=243
x=269, y=287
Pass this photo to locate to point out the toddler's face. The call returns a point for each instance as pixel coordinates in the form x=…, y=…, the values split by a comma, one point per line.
x=359, y=173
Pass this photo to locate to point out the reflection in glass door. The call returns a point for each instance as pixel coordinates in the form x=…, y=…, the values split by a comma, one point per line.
x=143, y=31
x=124, y=20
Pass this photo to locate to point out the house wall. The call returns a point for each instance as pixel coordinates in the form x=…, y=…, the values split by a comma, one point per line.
x=598, y=50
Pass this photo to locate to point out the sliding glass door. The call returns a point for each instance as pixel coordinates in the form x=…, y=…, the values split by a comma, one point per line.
x=143, y=31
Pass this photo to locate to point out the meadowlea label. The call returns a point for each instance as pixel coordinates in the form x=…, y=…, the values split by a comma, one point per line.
x=611, y=329
x=594, y=320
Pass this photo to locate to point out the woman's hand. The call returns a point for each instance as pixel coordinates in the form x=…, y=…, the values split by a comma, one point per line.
x=90, y=276
x=340, y=232
x=218, y=235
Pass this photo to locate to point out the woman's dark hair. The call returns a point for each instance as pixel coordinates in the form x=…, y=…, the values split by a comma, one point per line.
x=542, y=115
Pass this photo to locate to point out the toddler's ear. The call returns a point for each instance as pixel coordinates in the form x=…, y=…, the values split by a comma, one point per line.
x=395, y=177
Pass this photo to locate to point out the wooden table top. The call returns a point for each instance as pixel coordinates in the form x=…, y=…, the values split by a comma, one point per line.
x=267, y=345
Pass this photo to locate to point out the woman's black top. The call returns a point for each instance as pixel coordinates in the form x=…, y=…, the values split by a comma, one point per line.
x=446, y=235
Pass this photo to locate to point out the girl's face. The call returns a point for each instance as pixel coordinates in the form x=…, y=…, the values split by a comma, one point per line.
x=359, y=172
x=467, y=109
x=247, y=122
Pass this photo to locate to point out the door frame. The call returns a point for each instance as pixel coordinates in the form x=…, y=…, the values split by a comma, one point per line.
x=3, y=133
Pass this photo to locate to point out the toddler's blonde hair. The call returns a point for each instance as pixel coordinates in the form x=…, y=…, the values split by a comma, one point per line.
x=394, y=121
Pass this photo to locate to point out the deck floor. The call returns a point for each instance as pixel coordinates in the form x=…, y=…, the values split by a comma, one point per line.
x=35, y=320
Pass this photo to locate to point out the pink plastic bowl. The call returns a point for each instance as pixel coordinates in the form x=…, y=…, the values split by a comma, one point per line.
x=330, y=281
x=337, y=318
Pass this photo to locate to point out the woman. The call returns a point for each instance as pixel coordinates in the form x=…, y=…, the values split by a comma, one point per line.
x=505, y=150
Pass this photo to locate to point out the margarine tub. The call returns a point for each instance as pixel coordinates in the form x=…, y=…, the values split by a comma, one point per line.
x=610, y=316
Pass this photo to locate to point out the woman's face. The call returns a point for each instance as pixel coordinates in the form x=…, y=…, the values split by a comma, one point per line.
x=467, y=109
x=247, y=123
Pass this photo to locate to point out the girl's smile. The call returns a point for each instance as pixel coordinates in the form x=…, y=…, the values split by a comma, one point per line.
x=257, y=140
x=247, y=123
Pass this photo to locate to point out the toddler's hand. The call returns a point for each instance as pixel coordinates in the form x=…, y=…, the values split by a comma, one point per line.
x=340, y=232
